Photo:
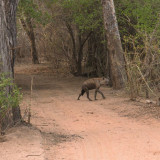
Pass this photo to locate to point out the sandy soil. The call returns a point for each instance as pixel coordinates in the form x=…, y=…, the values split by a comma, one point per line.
x=66, y=129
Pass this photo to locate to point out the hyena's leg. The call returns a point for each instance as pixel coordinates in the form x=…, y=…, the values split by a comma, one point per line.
x=81, y=94
x=87, y=91
x=101, y=94
x=95, y=94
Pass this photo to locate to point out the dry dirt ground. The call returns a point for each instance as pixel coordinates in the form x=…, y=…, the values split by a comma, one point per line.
x=63, y=128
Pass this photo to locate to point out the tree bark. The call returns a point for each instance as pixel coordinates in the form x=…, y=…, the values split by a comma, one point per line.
x=116, y=58
x=8, y=43
x=74, y=59
x=81, y=44
x=28, y=27
x=80, y=55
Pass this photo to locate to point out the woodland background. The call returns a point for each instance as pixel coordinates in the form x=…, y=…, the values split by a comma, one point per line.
x=70, y=34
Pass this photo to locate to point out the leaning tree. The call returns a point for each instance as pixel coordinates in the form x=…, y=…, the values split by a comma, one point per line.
x=116, y=58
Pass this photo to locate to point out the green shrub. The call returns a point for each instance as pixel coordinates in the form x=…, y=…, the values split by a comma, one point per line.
x=10, y=95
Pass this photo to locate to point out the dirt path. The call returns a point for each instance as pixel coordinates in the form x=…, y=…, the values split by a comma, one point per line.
x=110, y=129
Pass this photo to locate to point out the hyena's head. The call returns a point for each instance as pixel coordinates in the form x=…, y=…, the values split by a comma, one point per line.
x=104, y=81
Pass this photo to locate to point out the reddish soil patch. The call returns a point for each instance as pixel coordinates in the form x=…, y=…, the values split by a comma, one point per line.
x=66, y=129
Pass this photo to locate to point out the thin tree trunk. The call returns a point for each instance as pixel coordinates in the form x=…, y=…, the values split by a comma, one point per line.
x=117, y=63
x=27, y=26
x=81, y=44
x=74, y=59
x=8, y=44
x=80, y=55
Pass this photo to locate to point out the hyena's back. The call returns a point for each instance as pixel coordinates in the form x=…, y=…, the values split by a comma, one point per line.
x=89, y=84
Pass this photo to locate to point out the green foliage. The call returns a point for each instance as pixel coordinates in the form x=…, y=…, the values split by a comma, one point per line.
x=139, y=15
x=8, y=100
x=29, y=9
x=86, y=14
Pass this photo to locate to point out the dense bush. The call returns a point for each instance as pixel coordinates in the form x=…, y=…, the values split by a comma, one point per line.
x=7, y=101
x=140, y=33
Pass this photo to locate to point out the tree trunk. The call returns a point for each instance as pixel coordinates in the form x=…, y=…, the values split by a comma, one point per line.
x=116, y=58
x=27, y=26
x=79, y=63
x=74, y=59
x=80, y=55
x=81, y=44
x=8, y=43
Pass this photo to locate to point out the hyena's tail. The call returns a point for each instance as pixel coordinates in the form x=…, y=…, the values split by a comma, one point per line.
x=82, y=92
